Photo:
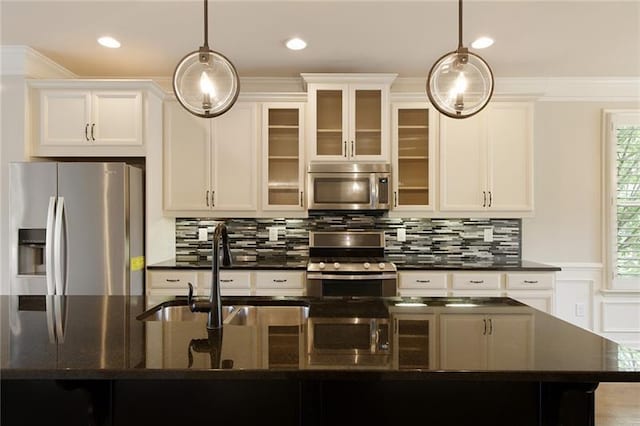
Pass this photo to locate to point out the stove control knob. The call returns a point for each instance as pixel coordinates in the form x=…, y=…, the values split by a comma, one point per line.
x=336, y=265
x=381, y=265
x=321, y=265
x=366, y=265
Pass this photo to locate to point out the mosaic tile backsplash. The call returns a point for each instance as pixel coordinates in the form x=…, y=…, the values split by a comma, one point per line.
x=427, y=240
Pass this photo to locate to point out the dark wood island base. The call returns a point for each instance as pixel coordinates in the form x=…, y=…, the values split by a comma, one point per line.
x=312, y=402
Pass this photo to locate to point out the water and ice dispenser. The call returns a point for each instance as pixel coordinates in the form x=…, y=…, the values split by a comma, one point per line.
x=31, y=251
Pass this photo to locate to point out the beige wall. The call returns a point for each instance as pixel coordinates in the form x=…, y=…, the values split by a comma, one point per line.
x=567, y=226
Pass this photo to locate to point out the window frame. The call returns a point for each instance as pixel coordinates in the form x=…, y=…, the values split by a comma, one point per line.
x=611, y=119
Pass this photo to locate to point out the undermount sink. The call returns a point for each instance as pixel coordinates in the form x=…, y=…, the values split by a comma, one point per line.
x=244, y=315
x=178, y=310
x=281, y=315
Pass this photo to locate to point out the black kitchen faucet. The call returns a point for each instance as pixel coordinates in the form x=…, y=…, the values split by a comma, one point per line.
x=214, y=306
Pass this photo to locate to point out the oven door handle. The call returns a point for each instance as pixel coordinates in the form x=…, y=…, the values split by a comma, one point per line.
x=355, y=277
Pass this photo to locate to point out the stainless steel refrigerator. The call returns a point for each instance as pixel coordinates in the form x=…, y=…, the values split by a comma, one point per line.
x=76, y=228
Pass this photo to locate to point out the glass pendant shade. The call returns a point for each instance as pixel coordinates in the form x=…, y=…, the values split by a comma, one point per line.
x=206, y=83
x=460, y=84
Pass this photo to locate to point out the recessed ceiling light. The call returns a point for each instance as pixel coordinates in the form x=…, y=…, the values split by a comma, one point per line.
x=482, y=43
x=109, y=42
x=296, y=44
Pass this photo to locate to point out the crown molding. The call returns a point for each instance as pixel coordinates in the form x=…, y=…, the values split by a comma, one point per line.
x=27, y=62
x=544, y=89
x=102, y=83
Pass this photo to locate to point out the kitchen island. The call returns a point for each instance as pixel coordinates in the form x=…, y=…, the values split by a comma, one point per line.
x=311, y=361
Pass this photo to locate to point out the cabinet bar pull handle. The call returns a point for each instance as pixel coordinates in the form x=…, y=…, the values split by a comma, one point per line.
x=301, y=199
x=353, y=149
x=476, y=281
x=206, y=198
x=172, y=280
x=490, y=326
x=395, y=198
x=279, y=281
x=423, y=281
x=229, y=280
x=490, y=199
x=345, y=148
x=93, y=125
x=531, y=281
x=484, y=198
x=484, y=333
x=86, y=131
x=213, y=198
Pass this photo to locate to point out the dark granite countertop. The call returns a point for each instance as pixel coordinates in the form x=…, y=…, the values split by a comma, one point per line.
x=267, y=264
x=94, y=337
x=477, y=265
x=404, y=263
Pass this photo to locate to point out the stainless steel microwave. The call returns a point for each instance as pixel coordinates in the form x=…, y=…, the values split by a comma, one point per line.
x=348, y=186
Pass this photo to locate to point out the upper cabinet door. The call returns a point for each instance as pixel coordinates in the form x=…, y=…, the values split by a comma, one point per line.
x=235, y=148
x=486, y=161
x=187, y=160
x=283, y=157
x=413, y=151
x=510, y=157
x=463, y=163
x=117, y=117
x=348, y=116
x=65, y=117
x=329, y=131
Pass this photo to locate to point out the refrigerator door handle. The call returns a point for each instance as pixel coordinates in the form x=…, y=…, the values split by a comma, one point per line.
x=51, y=326
x=51, y=289
x=57, y=247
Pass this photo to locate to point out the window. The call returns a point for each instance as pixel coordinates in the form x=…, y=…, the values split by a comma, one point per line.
x=622, y=153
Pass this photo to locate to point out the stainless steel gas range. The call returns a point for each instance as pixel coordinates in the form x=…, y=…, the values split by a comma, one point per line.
x=349, y=264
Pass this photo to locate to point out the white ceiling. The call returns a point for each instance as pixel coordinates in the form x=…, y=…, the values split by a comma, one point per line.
x=533, y=38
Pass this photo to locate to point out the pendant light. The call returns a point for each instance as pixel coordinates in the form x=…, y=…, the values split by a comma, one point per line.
x=460, y=83
x=205, y=82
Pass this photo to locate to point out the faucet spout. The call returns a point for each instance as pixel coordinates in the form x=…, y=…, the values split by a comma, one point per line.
x=220, y=235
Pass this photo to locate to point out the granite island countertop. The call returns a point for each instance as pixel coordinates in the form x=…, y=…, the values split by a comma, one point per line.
x=94, y=337
x=405, y=263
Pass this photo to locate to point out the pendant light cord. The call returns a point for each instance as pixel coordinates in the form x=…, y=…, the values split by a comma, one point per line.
x=206, y=24
x=459, y=24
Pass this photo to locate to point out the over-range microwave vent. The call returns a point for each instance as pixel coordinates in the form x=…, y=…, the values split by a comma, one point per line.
x=348, y=186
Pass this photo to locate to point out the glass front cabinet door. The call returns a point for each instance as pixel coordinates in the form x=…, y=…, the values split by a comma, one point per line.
x=413, y=147
x=348, y=117
x=283, y=166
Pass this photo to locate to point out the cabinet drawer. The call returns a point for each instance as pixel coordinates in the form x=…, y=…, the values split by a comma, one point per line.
x=172, y=279
x=232, y=279
x=475, y=281
x=280, y=279
x=422, y=280
x=526, y=281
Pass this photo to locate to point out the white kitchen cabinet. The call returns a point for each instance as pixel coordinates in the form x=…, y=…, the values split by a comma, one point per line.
x=210, y=164
x=232, y=283
x=85, y=117
x=491, y=341
x=422, y=284
x=414, y=341
x=533, y=289
x=413, y=147
x=486, y=161
x=280, y=283
x=283, y=156
x=482, y=284
x=348, y=116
